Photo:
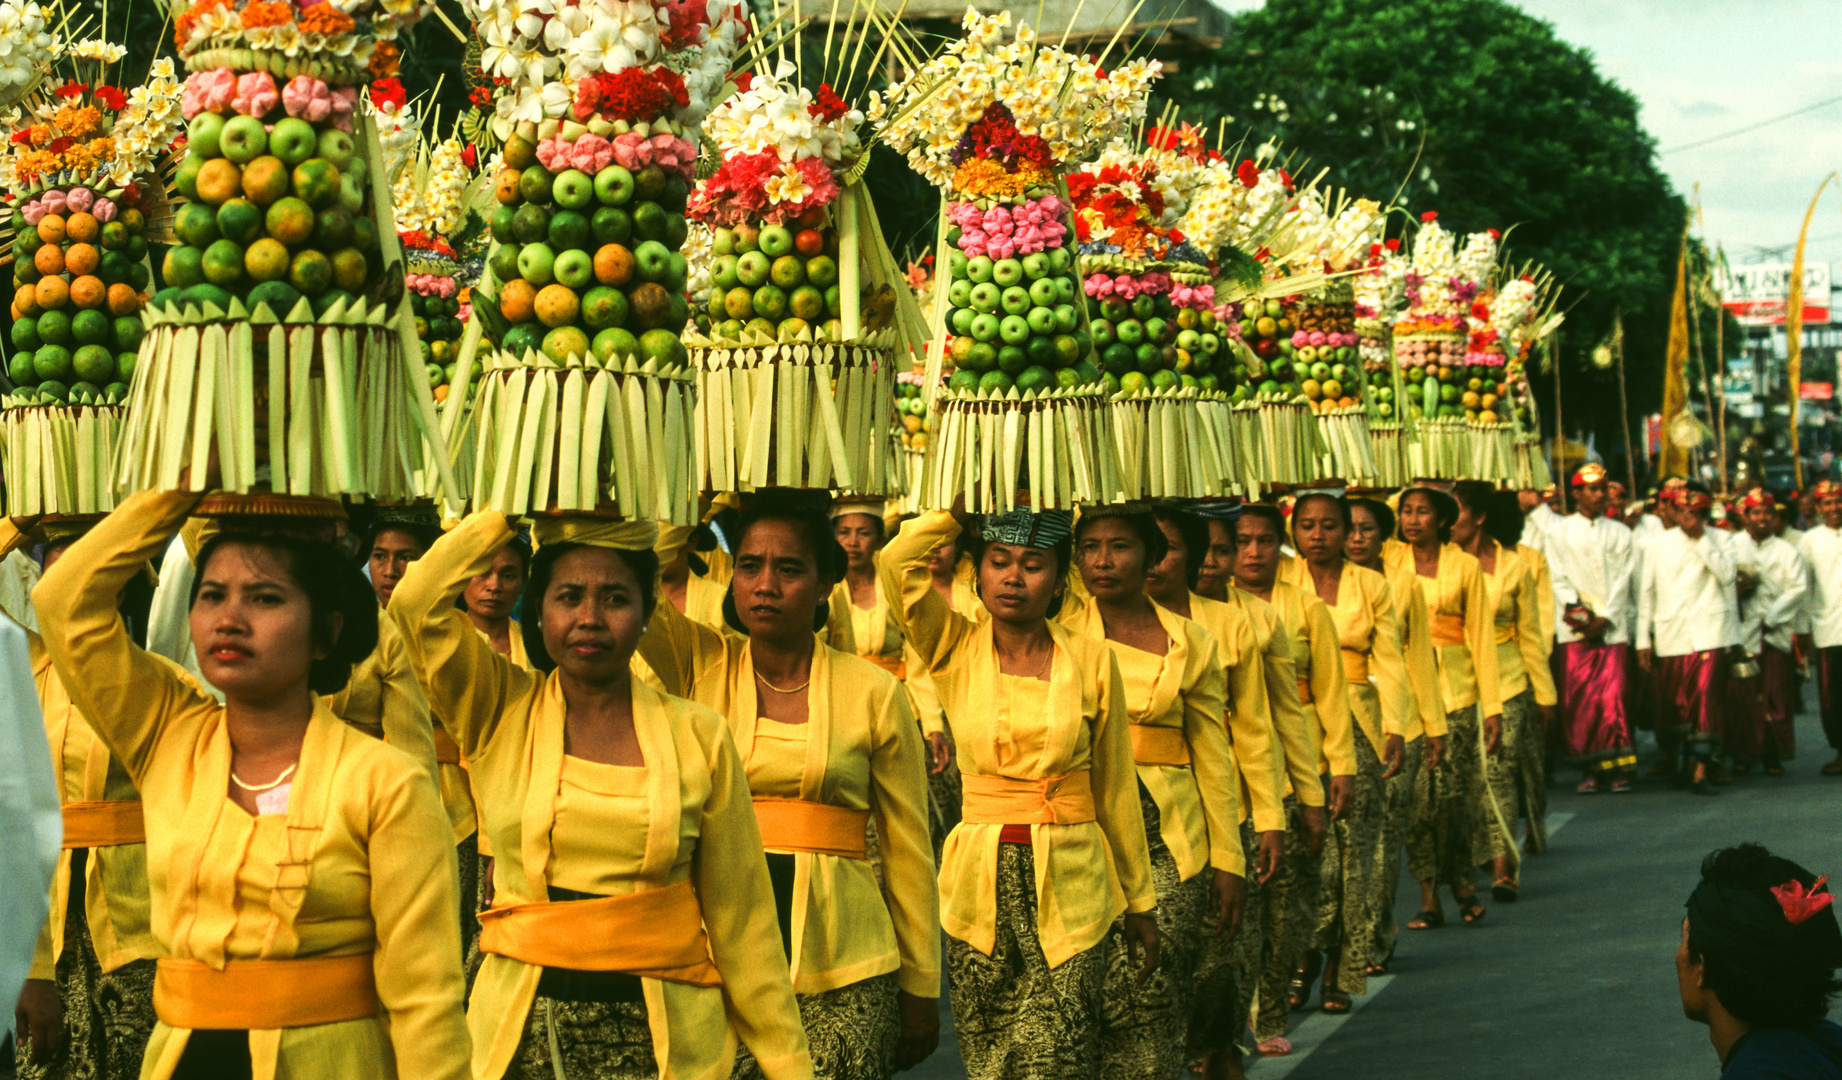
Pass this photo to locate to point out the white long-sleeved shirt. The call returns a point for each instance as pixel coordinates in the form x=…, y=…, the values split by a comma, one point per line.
x=1770, y=615
x=1822, y=551
x=1687, y=602
x=1536, y=525
x=1794, y=536
x=1593, y=562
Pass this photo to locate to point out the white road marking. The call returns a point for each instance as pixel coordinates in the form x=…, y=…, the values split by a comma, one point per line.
x=1311, y=1033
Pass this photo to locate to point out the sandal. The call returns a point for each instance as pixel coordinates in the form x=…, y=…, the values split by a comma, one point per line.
x=1470, y=910
x=1277, y=1046
x=1505, y=890
x=1336, y=1002
x=1430, y=919
x=1374, y=970
x=1298, y=991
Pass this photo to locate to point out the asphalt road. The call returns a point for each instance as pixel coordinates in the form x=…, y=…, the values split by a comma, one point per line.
x=1578, y=977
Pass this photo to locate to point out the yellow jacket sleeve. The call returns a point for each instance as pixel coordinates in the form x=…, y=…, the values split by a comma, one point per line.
x=731, y=879
x=1481, y=639
x=1531, y=641
x=1544, y=589
x=898, y=791
x=408, y=726
x=1329, y=692
x=127, y=695
x=923, y=694
x=1218, y=776
x=1115, y=782
x=1388, y=664
x=1250, y=722
x=467, y=682
x=417, y=980
x=1423, y=666
x=928, y=621
x=1297, y=742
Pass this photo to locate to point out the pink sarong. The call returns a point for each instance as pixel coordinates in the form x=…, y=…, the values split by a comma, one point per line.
x=1594, y=710
x=1758, y=722
x=1692, y=687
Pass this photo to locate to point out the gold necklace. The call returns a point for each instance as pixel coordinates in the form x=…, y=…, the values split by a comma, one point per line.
x=762, y=679
x=272, y=784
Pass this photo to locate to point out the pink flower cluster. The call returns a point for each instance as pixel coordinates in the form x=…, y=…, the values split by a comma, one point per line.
x=590, y=153
x=1125, y=286
x=255, y=94
x=1302, y=338
x=1200, y=297
x=75, y=200
x=635, y=151
x=432, y=284
x=1484, y=359
x=1005, y=232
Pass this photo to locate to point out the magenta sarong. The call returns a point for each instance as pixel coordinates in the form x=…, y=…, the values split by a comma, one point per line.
x=1692, y=688
x=1594, y=710
x=1758, y=722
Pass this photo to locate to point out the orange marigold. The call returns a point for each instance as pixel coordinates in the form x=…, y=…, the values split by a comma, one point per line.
x=90, y=155
x=38, y=135
x=34, y=162
x=260, y=13
x=384, y=59
x=78, y=121
x=325, y=19
x=987, y=178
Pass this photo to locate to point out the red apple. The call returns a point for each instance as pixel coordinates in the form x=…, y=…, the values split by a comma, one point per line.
x=809, y=242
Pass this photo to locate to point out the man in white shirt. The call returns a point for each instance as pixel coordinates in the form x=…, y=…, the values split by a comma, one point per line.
x=1593, y=565
x=1822, y=550
x=1538, y=515
x=1687, y=625
x=1761, y=726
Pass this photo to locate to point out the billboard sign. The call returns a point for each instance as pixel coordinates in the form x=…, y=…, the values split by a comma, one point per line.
x=1816, y=391
x=1755, y=295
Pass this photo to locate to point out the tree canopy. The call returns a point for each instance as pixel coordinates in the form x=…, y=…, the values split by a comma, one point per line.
x=1476, y=110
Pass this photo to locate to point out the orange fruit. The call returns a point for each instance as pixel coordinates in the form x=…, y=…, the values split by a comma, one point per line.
x=53, y=292
x=613, y=265
x=516, y=301
x=505, y=187
x=49, y=258
x=81, y=258
x=25, y=301
x=557, y=305
x=123, y=300
x=441, y=392
x=88, y=291
x=51, y=228
x=219, y=181
x=83, y=227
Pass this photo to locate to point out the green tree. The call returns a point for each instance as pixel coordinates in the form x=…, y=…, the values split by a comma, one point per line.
x=1476, y=110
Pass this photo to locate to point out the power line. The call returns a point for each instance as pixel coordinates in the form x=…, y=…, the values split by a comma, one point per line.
x=1751, y=127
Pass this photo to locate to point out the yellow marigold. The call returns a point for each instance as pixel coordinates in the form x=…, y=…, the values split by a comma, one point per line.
x=78, y=121
x=260, y=13
x=983, y=177
x=326, y=19
x=384, y=59
x=94, y=154
x=33, y=162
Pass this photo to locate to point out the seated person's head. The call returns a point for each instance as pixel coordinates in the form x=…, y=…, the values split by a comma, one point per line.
x=1760, y=944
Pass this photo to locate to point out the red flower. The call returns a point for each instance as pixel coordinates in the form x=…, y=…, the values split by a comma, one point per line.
x=481, y=97
x=61, y=144
x=389, y=92
x=22, y=137
x=1248, y=174
x=1286, y=179
x=111, y=97
x=631, y=94
x=827, y=105
x=1394, y=244
x=1495, y=235
x=72, y=89
x=1429, y=215
x=687, y=18
x=470, y=157
x=744, y=80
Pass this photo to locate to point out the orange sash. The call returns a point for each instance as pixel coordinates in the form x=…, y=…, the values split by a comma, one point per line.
x=800, y=825
x=263, y=995
x=1355, y=666
x=1304, y=691
x=1448, y=630
x=447, y=751
x=1000, y=800
x=894, y=665
x=1159, y=745
x=103, y=824
x=658, y=934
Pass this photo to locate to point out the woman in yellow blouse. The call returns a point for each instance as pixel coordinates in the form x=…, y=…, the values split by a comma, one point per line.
x=1050, y=849
x=1422, y=725
x=1188, y=782
x=1452, y=818
x=490, y=598
x=1222, y=990
x=1489, y=527
x=632, y=931
x=829, y=744
x=87, y=1006
x=1363, y=609
x=279, y=840
x=692, y=581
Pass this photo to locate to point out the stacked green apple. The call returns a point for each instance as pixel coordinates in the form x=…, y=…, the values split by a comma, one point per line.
x=1017, y=322
x=272, y=217
x=439, y=327
x=776, y=281
x=911, y=407
x=1266, y=327
x=587, y=265
x=1148, y=343
x=77, y=293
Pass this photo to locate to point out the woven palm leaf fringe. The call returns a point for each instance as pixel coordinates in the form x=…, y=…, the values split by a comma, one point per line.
x=306, y=406
x=1389, y=441
x=57, y=459
x=1346, y=450
x=1531, y=464
x=914, y=469
x=1286, y=440
x=1215, y=424
x=576, y=437
x=1058, y=446
x=813, y=415
x=1166, y=448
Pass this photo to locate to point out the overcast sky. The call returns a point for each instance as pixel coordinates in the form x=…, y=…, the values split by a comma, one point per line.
x=1701, y=69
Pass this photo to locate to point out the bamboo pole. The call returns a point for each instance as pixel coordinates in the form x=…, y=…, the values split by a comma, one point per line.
x=1794, y=327
x=1624, y=407
x=1560, y=436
